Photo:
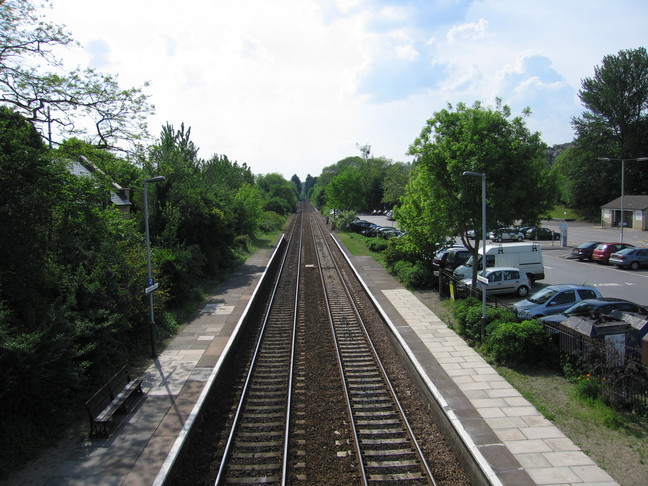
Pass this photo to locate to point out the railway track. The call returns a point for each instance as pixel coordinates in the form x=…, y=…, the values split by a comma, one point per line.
x=384, y=440
x=306, y=399
x=256, y=450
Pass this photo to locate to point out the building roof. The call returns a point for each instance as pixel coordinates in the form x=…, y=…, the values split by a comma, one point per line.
x=629, y=202
x=84, y=167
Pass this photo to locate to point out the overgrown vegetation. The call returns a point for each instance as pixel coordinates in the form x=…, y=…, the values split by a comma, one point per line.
x=72, y=306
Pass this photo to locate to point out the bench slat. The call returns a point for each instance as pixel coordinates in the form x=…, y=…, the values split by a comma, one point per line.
x=110, y=399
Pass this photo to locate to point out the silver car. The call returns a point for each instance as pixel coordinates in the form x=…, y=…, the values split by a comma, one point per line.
x=503, y=280
x=633, y=258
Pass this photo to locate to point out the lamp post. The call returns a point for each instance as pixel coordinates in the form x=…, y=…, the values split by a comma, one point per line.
x=623, y=161
x=150, y=285
x=483, y=178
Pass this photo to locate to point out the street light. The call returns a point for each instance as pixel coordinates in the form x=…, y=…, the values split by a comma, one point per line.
x=150, y=284
x=483, y=178
x=623, y=161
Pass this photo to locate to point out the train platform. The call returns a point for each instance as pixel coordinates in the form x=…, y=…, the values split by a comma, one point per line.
x=510, y=440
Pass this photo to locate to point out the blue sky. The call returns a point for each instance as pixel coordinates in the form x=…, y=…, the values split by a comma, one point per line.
x=292, y=86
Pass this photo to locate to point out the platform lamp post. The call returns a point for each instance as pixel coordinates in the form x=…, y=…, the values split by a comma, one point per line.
x=623, y=161
x=483, y=178
x=150, y=284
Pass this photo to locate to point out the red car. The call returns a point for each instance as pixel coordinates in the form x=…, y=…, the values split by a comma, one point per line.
x=602, y=252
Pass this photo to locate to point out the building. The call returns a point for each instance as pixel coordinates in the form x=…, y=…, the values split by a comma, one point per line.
x=119, y=196
x=635, y=212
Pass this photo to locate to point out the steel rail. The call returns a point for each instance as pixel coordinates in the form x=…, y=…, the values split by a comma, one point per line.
x=226, y=458
x=427, y=473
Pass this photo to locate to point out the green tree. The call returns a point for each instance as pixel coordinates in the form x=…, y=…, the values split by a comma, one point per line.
x=614, y=125
x=440, y=202
x=282, y=196
x=346, y=190
x=60, y=97
x=298, y=185
x=395, y=181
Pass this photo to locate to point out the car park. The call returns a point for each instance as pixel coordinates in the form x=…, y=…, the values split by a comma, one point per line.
x=541, y=234
x=595, y=307
x=633, y=258
x=584, y=250
x=553, y=300
x=502, y=280
x=602, y=252
x=506, y=234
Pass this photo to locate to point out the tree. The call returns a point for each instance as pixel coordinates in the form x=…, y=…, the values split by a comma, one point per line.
x=614, y=125
x=394, y=182
x=298, y=184
x=345, y=190
x=440, y=202
x=616, y=99
x=67, y=99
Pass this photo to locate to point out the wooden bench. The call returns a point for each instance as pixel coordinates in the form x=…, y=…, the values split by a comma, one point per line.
x=110, y=399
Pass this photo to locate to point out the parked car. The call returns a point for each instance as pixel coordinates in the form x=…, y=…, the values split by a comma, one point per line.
x=441, y=256
x=602, y=252
x=541, y=234
x=371, y=230
x=502, y=280
x=553, y=300
x=360, y=224
x=506, y=234
x=388, y=232
x=595, y=307
x=584, y=250
x=633, y=258
x=456, y=257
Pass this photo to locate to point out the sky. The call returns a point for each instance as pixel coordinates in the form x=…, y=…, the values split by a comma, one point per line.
x=293, y=86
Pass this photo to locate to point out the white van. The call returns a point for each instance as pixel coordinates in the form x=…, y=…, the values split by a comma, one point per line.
x=525, y=256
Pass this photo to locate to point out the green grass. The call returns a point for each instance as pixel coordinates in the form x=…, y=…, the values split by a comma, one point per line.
x=561, y=212
x=355, y=243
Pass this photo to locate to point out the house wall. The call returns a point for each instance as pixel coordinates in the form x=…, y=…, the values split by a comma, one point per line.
x=638, y=220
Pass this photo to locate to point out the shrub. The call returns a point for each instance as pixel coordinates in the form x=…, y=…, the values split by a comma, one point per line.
x=413, y=275
x=462, y=307
x=518, y=344
x=377, y=245
x=271, y=222
x=468, y=313
x=400, y=250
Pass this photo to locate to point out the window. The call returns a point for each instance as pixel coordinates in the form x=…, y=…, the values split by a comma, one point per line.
x=511, y=275
x=566, y=297
x=587, y=294
x=495, y=277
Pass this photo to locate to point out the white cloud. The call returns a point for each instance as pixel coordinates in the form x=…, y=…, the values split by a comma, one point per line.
x=470, y=31
x=291, y=86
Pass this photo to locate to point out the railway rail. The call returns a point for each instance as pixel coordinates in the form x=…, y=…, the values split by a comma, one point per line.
x=305, y=397
x=383, y=437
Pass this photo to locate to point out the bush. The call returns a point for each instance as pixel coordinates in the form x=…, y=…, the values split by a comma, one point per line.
x=377, y=245
x=413, y=275
x=519, y=344
x=272, y=222
x=462, y=307
x=468, y=313
x=400, y=250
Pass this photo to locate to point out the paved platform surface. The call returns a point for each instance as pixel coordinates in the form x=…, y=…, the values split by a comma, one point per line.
x=510, y=438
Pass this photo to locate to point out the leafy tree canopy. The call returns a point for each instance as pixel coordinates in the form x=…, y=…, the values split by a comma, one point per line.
x=441, y=202
x=70, y=100
x=614, y=125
